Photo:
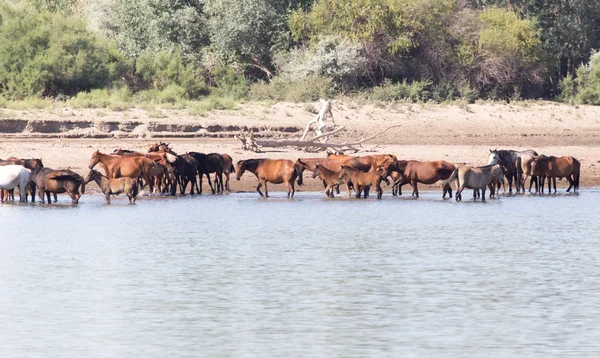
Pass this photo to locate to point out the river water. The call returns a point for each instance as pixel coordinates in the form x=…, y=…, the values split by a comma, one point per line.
x=241, y=276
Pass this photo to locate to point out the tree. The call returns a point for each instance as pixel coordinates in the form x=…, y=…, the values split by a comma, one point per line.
x=153, y=25
x=45, y=54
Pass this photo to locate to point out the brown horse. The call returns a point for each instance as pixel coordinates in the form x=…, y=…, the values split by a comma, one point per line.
x=413, y=172
x=274, y=171
x=363, y=180
x=58, y=181
x=558, y=167
x=123, y=166
x=228, y=168
x=114, y=186
x=364, y=163
x=330, y=178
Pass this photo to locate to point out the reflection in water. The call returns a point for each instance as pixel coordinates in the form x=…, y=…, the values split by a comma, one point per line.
x=239, y=276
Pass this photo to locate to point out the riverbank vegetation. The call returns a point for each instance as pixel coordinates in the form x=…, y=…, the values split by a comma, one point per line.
x=212, y=54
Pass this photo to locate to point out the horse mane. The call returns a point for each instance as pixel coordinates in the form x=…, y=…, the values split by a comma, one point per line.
x=252, y=164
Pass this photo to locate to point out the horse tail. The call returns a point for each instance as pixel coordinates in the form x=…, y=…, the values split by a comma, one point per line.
x=519, y=174
x=577, y=173
x=298, y=170
x=231, y=168
x=67, y=177
x=82, y=185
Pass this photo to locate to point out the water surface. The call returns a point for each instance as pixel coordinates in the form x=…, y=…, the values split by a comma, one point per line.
x=241, y=276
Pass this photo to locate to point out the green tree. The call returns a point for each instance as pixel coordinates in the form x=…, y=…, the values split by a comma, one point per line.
x=45, y=54
x=153, y=25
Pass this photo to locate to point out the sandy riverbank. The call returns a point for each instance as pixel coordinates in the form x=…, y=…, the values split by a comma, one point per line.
x=458, y=134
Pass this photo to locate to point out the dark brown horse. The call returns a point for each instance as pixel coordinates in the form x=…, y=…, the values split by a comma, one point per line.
x=228, y=168
x=413, y=172
x=58, y=181
x=210, y=163
x=557, y=167
x=185, y=168
x=274, y=171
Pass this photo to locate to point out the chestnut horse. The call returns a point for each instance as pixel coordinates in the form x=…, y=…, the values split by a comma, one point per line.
x=557, y=167
x=274, y=171
x=363, y=180
x=58, y=181
x=123, y=166
x=330, y=178
x=413, y=172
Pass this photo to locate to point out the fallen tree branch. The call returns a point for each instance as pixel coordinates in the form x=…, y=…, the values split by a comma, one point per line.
x=313, y=144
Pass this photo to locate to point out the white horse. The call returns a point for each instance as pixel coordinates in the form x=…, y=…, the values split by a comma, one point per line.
x=12, y=176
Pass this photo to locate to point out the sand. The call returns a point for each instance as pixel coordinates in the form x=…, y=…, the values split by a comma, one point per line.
x=458, y=134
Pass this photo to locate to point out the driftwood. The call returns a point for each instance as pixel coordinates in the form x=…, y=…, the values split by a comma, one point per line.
x=319, y=120
x=312, y=144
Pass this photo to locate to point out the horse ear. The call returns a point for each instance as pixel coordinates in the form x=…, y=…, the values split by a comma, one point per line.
x=490, y=150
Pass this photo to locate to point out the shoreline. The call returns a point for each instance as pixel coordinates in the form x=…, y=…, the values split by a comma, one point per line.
x=457, y=134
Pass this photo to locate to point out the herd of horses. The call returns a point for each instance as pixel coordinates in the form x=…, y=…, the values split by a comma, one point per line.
x=164, y=171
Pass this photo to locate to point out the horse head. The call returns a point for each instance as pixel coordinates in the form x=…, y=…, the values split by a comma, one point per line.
x=316, y=171
x=240, y=168
x=493, y=157
x=94, y=159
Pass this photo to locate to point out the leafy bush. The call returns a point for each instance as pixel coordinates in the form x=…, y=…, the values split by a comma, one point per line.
x=585, y=87
x=46, y=54
x=102, y=98
x=332, y=57
x=163, y=69
x=229, y=84
x=416, y=91
x=306, y=90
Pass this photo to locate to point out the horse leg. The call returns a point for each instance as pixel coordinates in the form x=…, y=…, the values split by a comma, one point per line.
x=366, y=191
x=571, y=183
x=415, y=189
x=379, y=190
x=107, y=197
x=211, y=186
x=258, y=188
x=48, y=196
x=554, y=182
x=459, y=191
x=483, y=193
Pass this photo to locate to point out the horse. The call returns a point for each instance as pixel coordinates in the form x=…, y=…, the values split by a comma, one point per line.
x=227, y=169
x=508, y=158
x=524, y=163
x=160, y=147
x=12, y=176
x=308, y=164
x=123, y=166
x=210, y=163
x=34, y=165
x=364, y=163
x=58, y=181
x=330, y=178
x=185, y=168
x=274, y=171
x=413, y=172
x=561, y=167
x=475, y=178
x=116, y=186
x=363, y=181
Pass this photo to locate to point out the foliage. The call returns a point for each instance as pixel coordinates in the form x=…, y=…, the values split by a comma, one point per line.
x=229, y=84
x=585, y=87
x=305, y=90
x=417, y=91
x=163, y=69
x=331, y=57
x=140, y=26
x=45, y=54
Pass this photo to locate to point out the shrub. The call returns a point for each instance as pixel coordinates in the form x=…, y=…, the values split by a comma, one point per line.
x=333, y=57
x=46, y=54
x=416, y=91
x=166, y=68
x=116, y=99
x=229, y=84
x=306, y=90
x=585, y=87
